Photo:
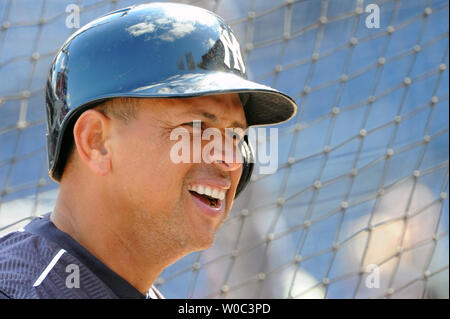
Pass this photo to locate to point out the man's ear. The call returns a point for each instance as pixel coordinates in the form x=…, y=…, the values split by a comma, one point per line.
x=90, y=133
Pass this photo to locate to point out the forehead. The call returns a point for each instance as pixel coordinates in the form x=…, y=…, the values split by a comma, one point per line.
x=223, y=108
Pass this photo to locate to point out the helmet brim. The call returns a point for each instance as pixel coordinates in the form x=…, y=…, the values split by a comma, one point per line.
x=263, y=105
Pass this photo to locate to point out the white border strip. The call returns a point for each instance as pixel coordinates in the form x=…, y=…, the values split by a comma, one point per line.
x=48, y=268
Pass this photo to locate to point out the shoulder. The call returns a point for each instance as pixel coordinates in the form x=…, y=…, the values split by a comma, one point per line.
x=34, y=267
x=22, y=257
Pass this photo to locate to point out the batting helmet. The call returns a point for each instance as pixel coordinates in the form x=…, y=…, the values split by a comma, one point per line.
x=158, y=50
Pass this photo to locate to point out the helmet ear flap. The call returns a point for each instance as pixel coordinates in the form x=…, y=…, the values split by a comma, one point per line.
x=248, y=160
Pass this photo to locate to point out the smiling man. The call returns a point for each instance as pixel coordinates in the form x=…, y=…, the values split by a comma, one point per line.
x=116, y=91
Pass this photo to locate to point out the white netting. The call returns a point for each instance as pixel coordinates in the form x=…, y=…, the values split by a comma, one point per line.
x=363, y=174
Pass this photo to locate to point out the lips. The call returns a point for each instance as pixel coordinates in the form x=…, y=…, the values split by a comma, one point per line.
x=210, y=199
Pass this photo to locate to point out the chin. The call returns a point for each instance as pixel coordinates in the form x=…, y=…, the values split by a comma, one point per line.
x=201, y=248
x=203, y=242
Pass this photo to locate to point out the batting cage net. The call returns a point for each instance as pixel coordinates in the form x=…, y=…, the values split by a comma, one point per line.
x=357, y=207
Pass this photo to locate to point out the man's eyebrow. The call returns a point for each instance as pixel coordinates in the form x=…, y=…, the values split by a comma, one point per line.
x=213, y=118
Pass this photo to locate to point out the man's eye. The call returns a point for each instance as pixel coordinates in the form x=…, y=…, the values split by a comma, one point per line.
x=236, y=136
x=191, y=124
x=197, y=126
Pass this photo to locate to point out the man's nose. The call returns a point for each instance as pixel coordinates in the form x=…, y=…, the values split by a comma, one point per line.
x=227, y=156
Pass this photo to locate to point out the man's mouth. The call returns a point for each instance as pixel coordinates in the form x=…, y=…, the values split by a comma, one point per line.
x=209, y=195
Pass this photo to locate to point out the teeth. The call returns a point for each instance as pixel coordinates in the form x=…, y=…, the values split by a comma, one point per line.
x=209, y=191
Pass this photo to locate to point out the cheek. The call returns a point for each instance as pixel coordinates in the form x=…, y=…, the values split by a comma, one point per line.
x=143, y=167
x=235, y=177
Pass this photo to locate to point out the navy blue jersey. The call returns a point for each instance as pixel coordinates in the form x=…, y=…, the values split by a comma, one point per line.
x=41, y=261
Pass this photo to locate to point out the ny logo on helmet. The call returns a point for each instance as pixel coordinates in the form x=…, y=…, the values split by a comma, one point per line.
x=231, y=45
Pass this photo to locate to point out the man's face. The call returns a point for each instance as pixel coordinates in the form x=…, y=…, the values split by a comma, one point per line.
x=153, y=195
